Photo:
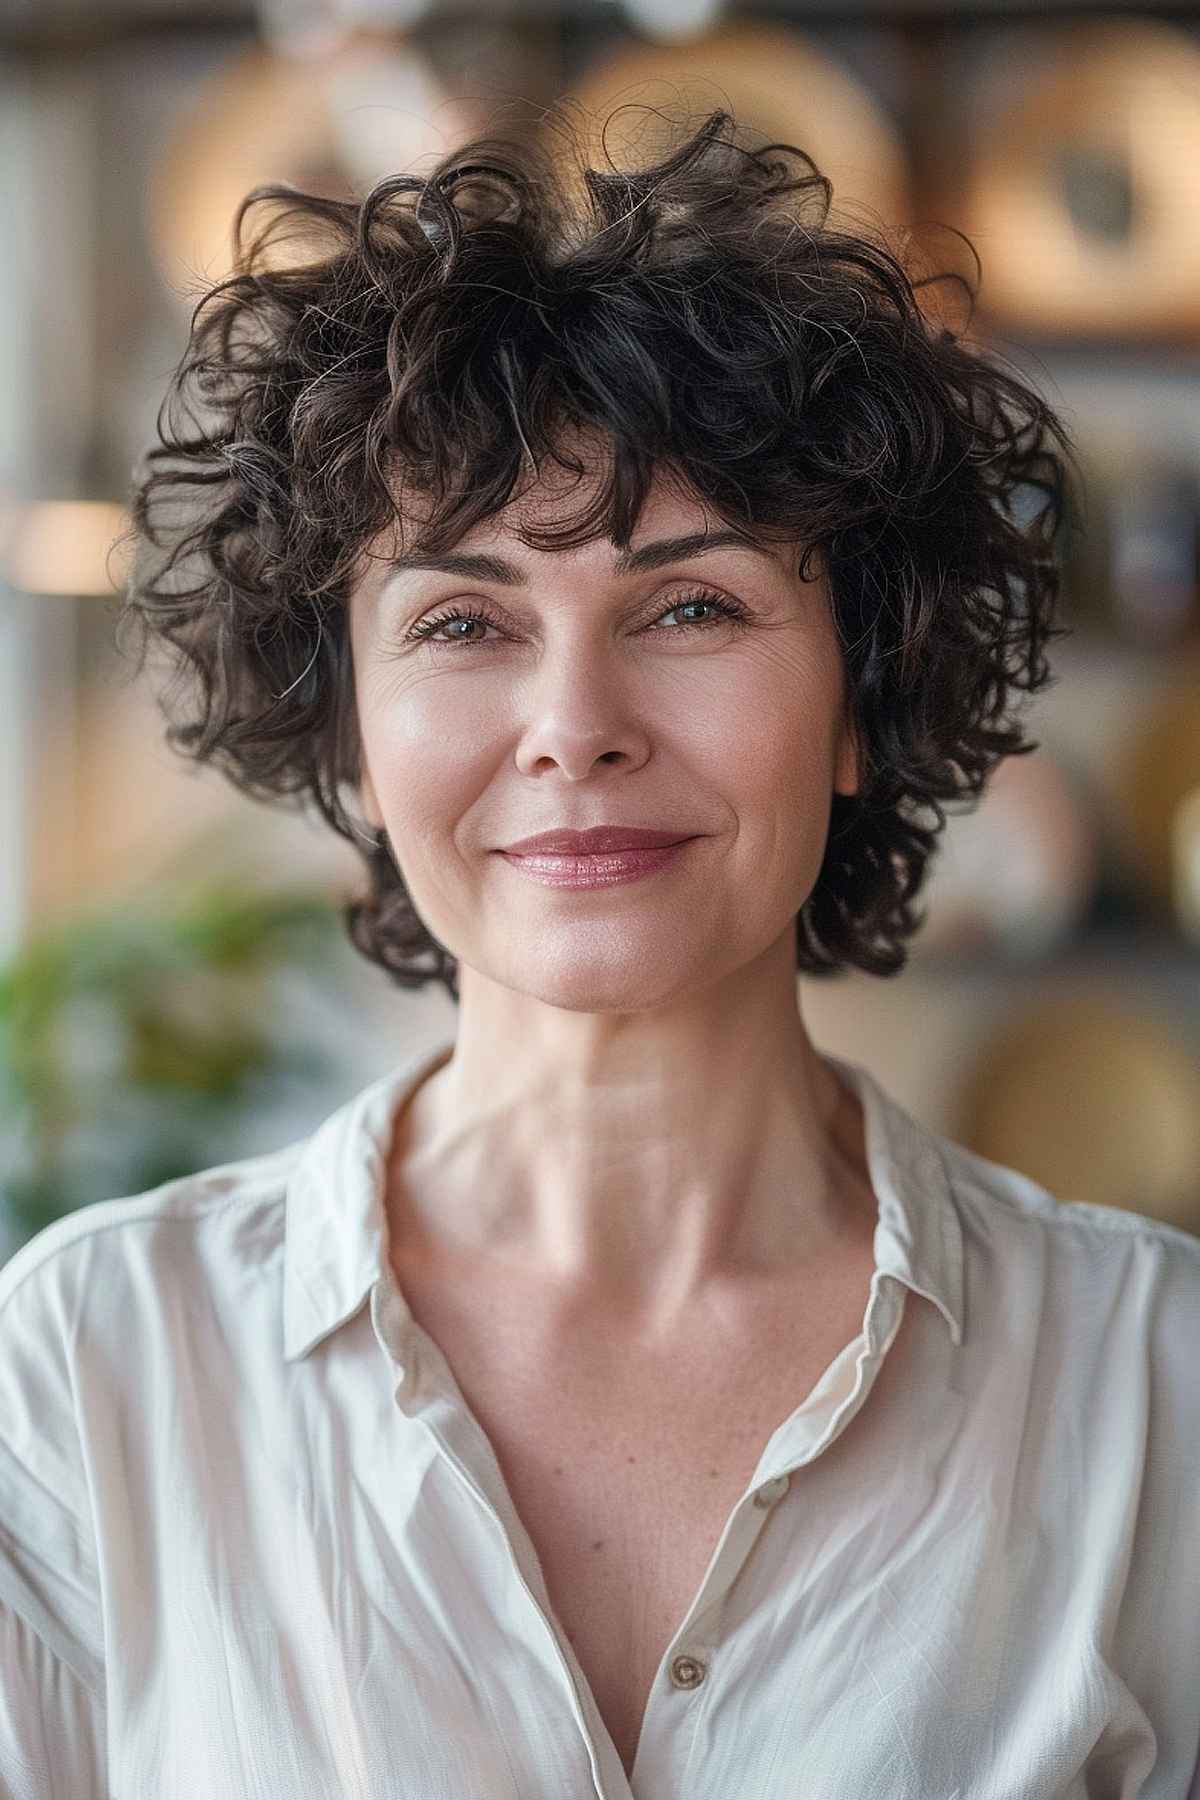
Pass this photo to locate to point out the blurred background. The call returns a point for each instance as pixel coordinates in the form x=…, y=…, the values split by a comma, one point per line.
x=175, y=986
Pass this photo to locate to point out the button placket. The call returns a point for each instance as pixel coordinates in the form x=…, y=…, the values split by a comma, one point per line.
x=688, y=1670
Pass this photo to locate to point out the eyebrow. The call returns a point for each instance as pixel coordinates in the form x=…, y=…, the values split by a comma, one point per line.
x=483, y=566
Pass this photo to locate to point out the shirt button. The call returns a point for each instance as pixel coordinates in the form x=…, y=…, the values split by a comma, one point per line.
x=771, y=1491
x=687, y=1672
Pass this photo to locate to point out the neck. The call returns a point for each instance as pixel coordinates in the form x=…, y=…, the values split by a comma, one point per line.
x=631, y=1162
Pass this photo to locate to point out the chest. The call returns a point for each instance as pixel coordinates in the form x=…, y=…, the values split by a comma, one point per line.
x=624, y=1465
x=625, y=1511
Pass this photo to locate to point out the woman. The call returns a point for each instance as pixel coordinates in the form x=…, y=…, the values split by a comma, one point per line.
x=626, y=1396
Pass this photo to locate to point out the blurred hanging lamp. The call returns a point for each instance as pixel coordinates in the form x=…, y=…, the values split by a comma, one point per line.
x=673, y=21
x=312, y=28
x=61, y=547
x=326, y=105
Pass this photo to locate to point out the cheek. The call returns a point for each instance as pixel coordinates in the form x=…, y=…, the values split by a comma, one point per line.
x=778, y=720
x=412, y=723
x=426, y=758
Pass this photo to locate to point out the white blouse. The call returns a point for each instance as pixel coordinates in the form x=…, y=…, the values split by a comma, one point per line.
x=254, y=1545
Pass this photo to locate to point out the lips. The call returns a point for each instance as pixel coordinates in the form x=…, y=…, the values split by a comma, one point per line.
x=599, y=840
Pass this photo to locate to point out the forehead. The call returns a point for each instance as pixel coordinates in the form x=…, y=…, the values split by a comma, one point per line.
x=524, y=539
x=674, y=520
x=555, y=495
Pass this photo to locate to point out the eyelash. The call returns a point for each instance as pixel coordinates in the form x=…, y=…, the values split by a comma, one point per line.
x=732, y=610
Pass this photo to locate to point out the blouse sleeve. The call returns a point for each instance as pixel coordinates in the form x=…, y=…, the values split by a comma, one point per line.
x=52, y=1739
x=52, y=1675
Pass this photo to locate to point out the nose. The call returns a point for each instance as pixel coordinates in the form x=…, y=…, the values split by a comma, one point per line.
x=580, y=716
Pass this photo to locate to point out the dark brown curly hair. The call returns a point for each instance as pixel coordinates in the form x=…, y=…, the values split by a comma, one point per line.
x=704, y=316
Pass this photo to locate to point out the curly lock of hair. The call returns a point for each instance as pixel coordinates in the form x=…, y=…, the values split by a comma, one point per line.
x=700, y=313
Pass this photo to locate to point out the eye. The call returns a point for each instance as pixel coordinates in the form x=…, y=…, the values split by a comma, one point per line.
x=729, y=611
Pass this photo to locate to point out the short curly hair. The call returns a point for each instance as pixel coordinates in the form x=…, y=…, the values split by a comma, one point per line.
x=446, y=332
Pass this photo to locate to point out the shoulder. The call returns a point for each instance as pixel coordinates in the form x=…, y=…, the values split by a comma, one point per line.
x=1111, y=1275
x=175, y=1216
x=90, y=1287
x=993, y=1190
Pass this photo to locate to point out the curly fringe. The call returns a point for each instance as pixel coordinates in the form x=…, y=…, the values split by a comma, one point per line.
x=702, y=314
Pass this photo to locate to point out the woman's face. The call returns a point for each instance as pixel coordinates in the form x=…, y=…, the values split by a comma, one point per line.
x=588, y=697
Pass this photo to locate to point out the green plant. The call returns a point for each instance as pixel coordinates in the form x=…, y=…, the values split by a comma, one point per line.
x=144, y=1041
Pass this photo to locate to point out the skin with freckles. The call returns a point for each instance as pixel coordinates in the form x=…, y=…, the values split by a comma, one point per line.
x=634, y=1125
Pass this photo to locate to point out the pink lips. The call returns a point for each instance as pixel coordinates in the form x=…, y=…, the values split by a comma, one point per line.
x=597, y=869
x=600, y=839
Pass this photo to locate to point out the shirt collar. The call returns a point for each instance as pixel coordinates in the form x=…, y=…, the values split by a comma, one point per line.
x=918, y=1238
x=336, y=1242
x=336, y=1230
